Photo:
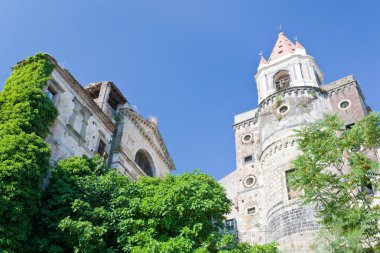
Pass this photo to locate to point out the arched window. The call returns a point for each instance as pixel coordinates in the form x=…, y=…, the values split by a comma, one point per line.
x=281, y=80
x=145, y=162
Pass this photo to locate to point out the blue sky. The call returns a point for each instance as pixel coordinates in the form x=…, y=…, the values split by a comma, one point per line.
x=191, y=63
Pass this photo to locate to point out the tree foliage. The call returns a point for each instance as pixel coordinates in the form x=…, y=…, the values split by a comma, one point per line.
x=25, y=116
x=334, y=171
x=89, y=208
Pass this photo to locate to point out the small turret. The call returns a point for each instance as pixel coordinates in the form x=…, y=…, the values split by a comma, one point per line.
x=287, y=66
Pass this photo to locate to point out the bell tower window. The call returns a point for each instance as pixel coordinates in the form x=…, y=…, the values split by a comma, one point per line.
x=281, y=80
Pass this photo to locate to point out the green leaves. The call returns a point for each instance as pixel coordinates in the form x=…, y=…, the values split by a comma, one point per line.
x=25, y=116
x=90, y=208
x=333, y=171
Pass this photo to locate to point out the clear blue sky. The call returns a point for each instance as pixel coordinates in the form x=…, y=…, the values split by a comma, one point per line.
x=191, y=63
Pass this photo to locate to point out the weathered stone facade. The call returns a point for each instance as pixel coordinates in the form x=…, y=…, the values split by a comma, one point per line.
x=98, y=119
x=291, y=95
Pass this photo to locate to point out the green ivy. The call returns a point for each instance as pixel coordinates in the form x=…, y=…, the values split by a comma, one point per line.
x=25, y=116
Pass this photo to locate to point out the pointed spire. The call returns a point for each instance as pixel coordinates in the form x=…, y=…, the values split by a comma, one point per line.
x=298, y=45
x=262, y=60
x=282, y=47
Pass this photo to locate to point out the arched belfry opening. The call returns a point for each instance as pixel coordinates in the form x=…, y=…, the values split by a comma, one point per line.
x=281, y=80
x=145, y=161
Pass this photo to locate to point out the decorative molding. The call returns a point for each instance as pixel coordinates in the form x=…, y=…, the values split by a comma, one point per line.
x=138, y=120
x=82, y=93
x=276, y=147
x=298, y=91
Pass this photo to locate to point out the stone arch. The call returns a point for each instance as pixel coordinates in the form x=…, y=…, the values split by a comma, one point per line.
x=145, y=161
x=281, y=80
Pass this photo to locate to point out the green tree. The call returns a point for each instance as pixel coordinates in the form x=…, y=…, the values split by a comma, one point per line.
x=25, y=116
x=89, y=208
x=334, y=171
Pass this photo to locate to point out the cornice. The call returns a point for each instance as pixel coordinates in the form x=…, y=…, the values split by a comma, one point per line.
x=162, y=150
x=82, y=93
x=296, y=91
x=276, y=147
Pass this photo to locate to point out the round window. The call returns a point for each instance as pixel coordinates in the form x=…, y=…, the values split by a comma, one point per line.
x=344, y=104
x=248, y=137
x=283, y=109
x=249, y=181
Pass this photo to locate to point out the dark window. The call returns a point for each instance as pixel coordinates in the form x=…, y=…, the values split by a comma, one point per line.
x=248, y=158
x=283, y=109
x=368, y=189
x=251, y=210
x=282, y=80
x=142, y=160
x=101, y=148
x=292, y=193
x=344, y=104
x=51, y=93
x=230, y=225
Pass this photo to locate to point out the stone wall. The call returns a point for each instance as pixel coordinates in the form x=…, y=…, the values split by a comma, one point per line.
x=86, y=119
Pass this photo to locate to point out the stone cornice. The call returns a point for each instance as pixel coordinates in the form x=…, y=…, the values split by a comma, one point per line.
x=247, y=122
x=291, y=91
x=276, y=147
x=82, y=93
x=138, y=120
x=297, y=91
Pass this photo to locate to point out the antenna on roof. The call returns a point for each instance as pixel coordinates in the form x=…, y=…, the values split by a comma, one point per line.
x=295, y=38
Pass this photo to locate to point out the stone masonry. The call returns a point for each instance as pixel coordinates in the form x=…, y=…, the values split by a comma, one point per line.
x=98, y=119
x=291, y=95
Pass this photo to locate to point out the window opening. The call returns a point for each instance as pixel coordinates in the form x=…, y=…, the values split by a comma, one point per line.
x=101, y=147
x=249, y=181
x=248, y=158
x=283, y=109
x=51, y=93
x=368, y=189
x=344, y=104
x=230, y=225
x=292, y=192
x=251, y=210
x=142, y=160
x=282, y=80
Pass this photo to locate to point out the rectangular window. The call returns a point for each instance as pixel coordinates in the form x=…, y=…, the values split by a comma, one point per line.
x=251, y=210
x=248, y=159
x=230, y=225
x=292, y=193
x=101, y=147
x=51, y=93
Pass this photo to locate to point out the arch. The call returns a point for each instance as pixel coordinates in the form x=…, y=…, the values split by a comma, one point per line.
x=281, y=80
x=145, y=161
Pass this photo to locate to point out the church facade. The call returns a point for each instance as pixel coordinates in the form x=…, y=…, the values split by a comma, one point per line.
x=97, y=119
x=291, y=94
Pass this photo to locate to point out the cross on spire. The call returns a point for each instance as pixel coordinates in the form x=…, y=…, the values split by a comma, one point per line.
x=279, y=27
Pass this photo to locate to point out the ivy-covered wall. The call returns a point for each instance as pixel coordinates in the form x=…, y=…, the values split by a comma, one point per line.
x=26, y=113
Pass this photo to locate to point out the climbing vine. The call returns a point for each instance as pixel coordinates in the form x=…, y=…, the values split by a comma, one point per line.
x=25, y=116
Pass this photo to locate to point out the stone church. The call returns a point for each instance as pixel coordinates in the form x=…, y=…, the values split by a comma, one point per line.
x=97, y=119
x=291, y=94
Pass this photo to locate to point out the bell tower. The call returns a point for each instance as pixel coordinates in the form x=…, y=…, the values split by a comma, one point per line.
x=288, y=66
x=290, y=97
